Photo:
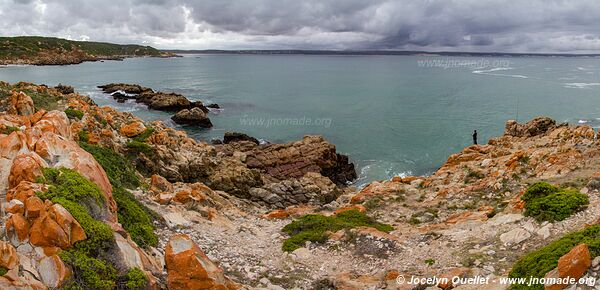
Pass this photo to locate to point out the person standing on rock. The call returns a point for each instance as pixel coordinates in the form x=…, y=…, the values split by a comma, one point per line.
x=475, y=137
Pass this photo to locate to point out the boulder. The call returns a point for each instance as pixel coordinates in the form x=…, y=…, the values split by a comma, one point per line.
x=537, y=126
x=17, y=229
x=515, y=236
x=133, y=129
x=53, y=272
x=164, y=101
x=159, y=183
x=127, y=88
x=8, y=256
x=236, y=137
x=193, y=116
x=21, y=104
x=294, y=159
x=63, y=89
x=25, y=167
x=56, y=228
x=575, y=263
x=189, y=268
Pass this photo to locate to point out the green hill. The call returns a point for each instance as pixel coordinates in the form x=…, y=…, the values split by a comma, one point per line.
x=51, y=51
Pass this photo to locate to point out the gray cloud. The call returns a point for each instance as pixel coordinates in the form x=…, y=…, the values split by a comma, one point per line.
x=472, y=25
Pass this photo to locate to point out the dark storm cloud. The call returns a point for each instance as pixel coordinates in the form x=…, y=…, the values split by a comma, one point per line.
x=474, y=25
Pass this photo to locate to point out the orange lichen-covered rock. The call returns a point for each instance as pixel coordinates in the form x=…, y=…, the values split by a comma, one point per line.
x=8, y=256
x=189, y=268
x=17, y=228
x=24, y=190
x=34, y=206
x=160, y=183
x=68, y=154
x=133, y=129
x=575, y=263
x=67, y=222
x=358, y=207
x=277, y=214
x=55, y=122
x=46, y=232
x=25, y=167
x=21, y=104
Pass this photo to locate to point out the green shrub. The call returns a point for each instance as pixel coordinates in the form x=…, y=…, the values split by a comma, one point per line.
x=9, y=129
x=74, y=114
x=144, y=136
x=88, y=272
x=99, y=235
x=119, y=170
x=541, y=261
x=73, y=191
x=3, y=271
x=135, y=279
x=537, y=190
x=313, y=227
x=139, y=147
x=84, y=136
x=556, y=206
x=71, y=185
x=135, y=218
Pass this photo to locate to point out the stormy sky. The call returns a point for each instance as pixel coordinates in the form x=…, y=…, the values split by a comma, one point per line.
x=433, y=25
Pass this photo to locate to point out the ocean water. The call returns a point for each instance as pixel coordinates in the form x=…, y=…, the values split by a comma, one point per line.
x=393, y=115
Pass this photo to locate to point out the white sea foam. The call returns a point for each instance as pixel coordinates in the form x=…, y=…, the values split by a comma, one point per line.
x=580, y=85
x=490, y=72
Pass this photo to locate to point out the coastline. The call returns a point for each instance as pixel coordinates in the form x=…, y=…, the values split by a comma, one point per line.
x=239, y=192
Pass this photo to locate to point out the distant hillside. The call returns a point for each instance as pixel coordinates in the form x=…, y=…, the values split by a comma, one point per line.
x=55, y=51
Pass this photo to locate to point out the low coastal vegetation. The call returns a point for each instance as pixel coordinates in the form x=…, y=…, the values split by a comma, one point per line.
x=541, y=261
x=315, y=228
x=135, y=217
x=545, y=202
x=50, y=50
x=71, y=190
x=42, y=98
x=74, y=114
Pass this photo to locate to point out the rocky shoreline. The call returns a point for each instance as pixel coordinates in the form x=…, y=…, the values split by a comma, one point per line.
x=183, y=214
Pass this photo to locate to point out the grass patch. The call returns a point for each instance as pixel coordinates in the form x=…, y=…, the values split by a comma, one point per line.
x=545, y=202
x=541, y=261
x=74, y=114
x=313, y=227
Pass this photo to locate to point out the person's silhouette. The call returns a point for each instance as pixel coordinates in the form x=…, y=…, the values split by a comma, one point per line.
x=475, y=137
